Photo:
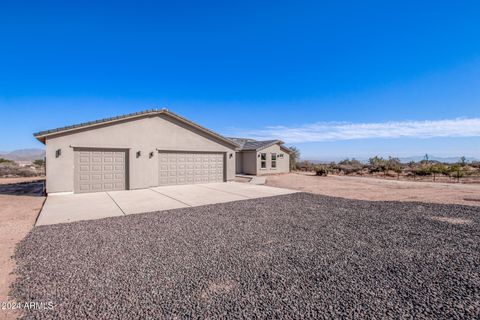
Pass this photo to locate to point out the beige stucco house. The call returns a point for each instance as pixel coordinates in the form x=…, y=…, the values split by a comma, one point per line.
x=261, y=157
x=146, y=149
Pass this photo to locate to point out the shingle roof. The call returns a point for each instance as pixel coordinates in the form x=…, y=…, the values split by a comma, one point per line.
x=241, y=141
x=253, y=145
x=41, y=136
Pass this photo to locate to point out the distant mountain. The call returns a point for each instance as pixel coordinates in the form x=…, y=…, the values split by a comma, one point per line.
x=402, y=159
x=23, y=154
x=434, y=158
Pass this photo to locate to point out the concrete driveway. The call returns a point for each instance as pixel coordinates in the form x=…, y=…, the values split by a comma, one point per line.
x=88, y=206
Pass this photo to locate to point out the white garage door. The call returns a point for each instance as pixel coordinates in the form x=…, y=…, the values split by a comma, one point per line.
x=100, y=170
x=190, y=168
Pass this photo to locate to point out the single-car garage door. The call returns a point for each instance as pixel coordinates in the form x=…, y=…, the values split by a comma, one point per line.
x=190, y=168
x=100, y=170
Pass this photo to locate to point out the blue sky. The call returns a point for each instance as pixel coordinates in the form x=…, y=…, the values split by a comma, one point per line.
x=328, y=77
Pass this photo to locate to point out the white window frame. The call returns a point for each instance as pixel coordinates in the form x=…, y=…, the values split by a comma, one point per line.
x=263, y=161
x=272, y=162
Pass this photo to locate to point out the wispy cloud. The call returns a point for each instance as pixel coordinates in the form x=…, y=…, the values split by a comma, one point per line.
x=333, y=131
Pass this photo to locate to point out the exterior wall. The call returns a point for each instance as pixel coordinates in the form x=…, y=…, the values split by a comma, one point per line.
x=249, y=162
x=148, y=134
x=283, y=164
x=238, y=162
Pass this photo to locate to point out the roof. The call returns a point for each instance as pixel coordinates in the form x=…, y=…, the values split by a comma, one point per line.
x=42, y=135
x=254, y=145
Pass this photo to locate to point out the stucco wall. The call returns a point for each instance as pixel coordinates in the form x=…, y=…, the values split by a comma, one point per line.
x=143, y=134
x=283, y=164
x=249, y=162
x=238, y=162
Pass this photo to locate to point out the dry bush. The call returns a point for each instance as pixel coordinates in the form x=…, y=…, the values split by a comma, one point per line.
x=10, y=169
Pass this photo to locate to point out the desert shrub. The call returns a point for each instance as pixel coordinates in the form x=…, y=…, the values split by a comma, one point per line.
x=377, y=164
x=39, y=163
x=439, y=168
x=456, y=171
x=305, y=166
x=321, y=171
x=11, y=170
x=475, y=164
x=348, y=166
x=422, y=171
x=2, y=160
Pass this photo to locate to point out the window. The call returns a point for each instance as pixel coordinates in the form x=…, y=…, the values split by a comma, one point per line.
x=274, y=160
x=263, y=161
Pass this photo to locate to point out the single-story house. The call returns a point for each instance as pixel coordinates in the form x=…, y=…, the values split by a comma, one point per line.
x=261, y=157
x=147, y=149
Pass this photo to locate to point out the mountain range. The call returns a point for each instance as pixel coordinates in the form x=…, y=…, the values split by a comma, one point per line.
x=405, y=159
x=23, y=154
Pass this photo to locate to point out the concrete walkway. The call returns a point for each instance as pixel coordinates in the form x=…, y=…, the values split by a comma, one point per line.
x=75, y=207
x=253, y=179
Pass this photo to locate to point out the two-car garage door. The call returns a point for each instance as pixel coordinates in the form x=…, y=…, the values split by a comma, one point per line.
x=189, y=168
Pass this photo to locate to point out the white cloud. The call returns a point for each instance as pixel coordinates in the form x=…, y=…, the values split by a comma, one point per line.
x=334, y=131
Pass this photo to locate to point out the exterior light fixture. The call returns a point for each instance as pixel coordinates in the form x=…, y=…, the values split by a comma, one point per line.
x=150, y=155
x=58, y=153
x=231, y=155
x=139, y=154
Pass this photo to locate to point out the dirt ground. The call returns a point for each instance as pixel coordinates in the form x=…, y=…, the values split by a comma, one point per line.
x=378, y=189
x=18, y=214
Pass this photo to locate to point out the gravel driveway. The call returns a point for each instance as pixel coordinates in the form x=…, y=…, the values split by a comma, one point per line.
x=292, y=256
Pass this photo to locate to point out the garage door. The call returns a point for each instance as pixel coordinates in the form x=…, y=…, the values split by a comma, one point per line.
x=100, y=170
x=190, y=168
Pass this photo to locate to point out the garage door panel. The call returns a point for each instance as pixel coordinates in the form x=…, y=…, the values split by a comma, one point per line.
x=96, y=187
x=99, y=170
x=190, y=167
x=84, y=187
x=108, y=176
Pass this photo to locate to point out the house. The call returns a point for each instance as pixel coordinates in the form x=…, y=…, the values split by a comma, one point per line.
x=261, y=157
x=146, y=149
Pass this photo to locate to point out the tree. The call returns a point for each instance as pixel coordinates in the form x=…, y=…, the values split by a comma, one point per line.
x=437, y=168
x=377, y=164
x=294, y=157
x=39, y=163
x=395, y=165
x=457, y=171
x=463, y=161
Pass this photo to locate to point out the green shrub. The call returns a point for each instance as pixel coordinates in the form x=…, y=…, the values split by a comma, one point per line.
x=39, y=163
x=321, y=171
x=2, y=160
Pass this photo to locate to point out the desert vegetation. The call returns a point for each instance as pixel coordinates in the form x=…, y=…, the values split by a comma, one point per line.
x=393, y=168
x=15, y=169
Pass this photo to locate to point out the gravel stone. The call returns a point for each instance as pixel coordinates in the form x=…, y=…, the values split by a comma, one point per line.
x=293, y=256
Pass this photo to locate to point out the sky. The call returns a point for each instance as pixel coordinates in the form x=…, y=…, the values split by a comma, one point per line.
x=336, y=79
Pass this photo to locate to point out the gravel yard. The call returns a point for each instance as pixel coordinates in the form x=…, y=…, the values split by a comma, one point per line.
x=292, y=256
